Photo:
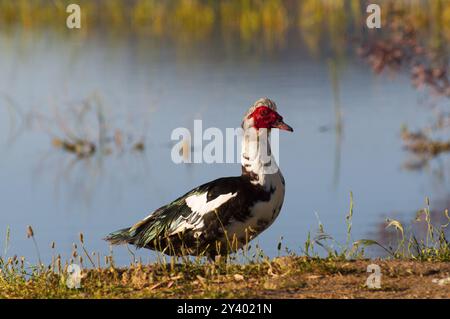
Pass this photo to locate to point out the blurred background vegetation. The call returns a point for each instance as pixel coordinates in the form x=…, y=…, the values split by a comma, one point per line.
x=252, y=22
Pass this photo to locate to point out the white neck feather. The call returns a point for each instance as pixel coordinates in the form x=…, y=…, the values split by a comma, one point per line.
x=256, y=156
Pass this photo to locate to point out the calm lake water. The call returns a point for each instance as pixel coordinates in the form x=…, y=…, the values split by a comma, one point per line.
x=147, y=89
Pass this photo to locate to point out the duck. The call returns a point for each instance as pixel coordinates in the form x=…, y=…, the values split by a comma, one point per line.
x=222, y=216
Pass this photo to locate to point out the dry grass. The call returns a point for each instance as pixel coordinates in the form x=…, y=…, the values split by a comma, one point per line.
x=286, y=277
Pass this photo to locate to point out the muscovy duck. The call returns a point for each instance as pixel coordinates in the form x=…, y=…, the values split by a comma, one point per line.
x=220, y=217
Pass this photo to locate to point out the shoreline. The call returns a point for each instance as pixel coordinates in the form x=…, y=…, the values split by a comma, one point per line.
x=292, y=277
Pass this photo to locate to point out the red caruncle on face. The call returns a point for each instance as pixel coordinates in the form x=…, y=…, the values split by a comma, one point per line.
x=265, y=117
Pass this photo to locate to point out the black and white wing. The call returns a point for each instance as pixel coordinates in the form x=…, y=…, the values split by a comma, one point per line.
x=205, y=208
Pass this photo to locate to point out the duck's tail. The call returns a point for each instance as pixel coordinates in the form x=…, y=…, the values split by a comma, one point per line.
x=122, y=236
x=140, y=234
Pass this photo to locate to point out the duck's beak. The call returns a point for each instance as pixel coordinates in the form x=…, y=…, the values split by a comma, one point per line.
x=282, y=126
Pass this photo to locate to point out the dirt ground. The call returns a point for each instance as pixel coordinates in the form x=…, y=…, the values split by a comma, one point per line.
x=399, y=279
x=298, y=278
x=285, y=277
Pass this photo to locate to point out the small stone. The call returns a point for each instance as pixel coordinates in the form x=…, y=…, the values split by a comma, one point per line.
x=238, y=277
x=441, y=282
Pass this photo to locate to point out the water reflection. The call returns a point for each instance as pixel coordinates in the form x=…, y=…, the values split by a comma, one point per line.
x=415, y=229
x=403, y=48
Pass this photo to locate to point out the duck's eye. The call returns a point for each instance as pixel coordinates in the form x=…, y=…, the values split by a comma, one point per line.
x=264, y=112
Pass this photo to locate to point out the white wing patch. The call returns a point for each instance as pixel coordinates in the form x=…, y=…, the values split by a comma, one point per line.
x=200, y=206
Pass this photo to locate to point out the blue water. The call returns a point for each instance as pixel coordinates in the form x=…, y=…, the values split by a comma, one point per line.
x=147, y=89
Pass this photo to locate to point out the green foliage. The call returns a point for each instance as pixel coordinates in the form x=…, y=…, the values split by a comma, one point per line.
x=434, y=247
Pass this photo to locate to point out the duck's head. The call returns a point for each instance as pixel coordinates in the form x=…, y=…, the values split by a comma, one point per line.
x=263, y=114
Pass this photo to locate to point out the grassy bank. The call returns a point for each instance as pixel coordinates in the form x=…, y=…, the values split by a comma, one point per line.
x=286, y=277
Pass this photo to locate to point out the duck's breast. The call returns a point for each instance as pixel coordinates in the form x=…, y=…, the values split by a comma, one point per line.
x=262, y=213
